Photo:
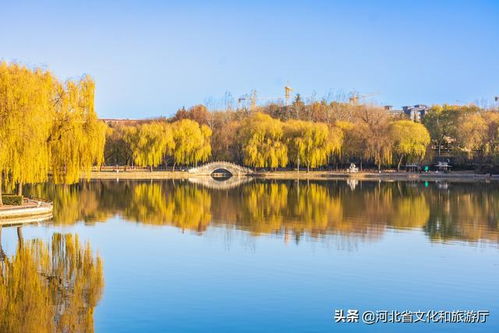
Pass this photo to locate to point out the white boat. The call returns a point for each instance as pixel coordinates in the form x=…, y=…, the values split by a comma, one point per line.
x=33, y=211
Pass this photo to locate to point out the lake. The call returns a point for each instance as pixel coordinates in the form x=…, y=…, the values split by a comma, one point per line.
x=255, y=255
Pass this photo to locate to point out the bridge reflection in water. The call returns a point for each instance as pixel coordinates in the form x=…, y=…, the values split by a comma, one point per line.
x=220, y=183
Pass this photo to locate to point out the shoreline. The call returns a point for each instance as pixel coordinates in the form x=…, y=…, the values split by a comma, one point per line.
x=312, y=175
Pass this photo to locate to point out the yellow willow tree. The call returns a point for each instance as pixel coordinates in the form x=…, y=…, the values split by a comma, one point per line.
x=50, y=288
x=311, y=143
x=26, y=113
x=409, y=139
x=192, y=142
x=149, y=143
x=262, y=141
x=4, y=143
x=77, y=137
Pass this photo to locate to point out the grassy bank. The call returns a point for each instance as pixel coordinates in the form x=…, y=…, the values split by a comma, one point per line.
x=140, y=174
x=385, y=175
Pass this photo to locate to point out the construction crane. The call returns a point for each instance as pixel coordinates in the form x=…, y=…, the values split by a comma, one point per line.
x=355, y=97
x=252, y=98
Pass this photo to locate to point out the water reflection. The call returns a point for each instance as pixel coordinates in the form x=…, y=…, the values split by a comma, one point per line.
x=185, y=207
x=49, y=287
x=220, y=183
x=459, y=211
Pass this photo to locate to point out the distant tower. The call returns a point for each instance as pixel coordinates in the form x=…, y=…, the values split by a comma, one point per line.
x=287, y=93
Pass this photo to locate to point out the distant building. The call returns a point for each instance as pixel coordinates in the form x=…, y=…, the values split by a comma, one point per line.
x=415, y=112
x=127, y=122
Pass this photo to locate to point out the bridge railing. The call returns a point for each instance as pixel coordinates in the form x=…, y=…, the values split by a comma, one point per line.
x=229, y=166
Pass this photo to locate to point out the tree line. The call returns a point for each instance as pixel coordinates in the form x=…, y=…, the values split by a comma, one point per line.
x=315, y=135
x=47, y=127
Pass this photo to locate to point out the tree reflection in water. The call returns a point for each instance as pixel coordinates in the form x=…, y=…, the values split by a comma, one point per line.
x=185, y=207
x=463, y=211
x=50, y=287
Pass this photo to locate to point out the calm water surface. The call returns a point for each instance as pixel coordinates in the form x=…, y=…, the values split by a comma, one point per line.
x=262, y=256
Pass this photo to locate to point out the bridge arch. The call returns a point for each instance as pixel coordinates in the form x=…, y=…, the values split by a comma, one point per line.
x=209, y=168
x=222, y=171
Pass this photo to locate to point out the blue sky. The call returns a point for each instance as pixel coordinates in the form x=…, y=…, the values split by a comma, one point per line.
x=151, y=57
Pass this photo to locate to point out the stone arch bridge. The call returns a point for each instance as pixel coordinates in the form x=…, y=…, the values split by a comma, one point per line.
x=227, y=167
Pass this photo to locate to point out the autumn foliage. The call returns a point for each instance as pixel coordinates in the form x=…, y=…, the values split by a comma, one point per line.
x=47, y=127
x=50, y=128
x=315, y=135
